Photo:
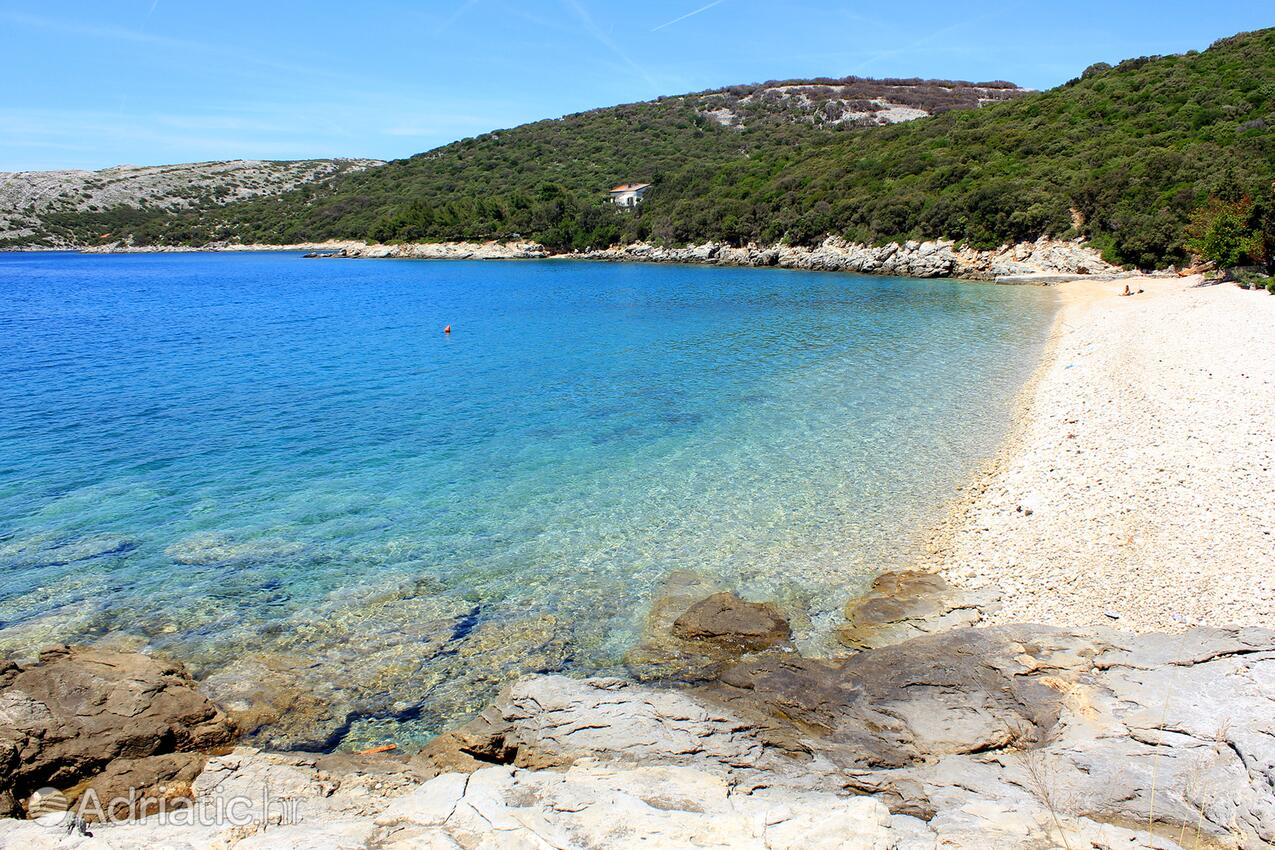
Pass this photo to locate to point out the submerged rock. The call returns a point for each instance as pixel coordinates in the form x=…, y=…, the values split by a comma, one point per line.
x=211, y=547
x=48, y=551
x=425, y=659
x=727, y=620
x=695, y=629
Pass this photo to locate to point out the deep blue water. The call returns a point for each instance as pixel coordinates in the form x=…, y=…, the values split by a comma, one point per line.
x=253, y=455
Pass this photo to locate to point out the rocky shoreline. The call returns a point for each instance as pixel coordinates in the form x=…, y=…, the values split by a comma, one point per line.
x=1035, y=261
x=1043, y=261
x=981, y=738
x=439, y=251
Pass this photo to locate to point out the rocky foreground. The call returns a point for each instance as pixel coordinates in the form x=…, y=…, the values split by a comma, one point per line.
x=1002, y=737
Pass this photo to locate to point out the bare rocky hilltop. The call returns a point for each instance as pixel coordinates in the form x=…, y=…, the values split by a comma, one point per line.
x=31, y=200
x=850, y=101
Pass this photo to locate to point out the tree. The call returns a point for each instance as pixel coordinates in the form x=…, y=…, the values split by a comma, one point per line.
x=1266, y=225
x=1220, y=231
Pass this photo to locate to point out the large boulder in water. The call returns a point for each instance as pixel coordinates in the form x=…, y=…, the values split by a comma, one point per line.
x=725, y=619
x=695, y=629
x=78, y=709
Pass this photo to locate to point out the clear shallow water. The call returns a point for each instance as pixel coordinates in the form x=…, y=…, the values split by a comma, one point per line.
x=282, y=468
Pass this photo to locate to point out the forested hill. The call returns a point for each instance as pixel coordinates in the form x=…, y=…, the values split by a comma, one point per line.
x=1122, y=155
x=570, y=161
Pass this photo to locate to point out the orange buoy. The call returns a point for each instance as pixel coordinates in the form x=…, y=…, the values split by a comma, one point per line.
x=447, y=329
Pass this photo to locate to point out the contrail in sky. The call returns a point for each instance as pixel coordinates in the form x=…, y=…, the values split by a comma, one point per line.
x=146, y=20
x=609, y=43
x=689, y=15
x=919, y=43
x=460, y=10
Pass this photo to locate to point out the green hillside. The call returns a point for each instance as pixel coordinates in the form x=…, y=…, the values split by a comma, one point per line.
x=1122, y=155
x=1132, y=149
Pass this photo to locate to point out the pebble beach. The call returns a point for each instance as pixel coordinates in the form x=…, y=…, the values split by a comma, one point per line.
x=1137, y=487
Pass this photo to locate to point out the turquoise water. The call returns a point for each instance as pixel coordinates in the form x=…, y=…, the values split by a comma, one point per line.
x=283, y=469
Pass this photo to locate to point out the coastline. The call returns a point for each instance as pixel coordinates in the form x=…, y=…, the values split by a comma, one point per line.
x=937, y=540
x=215, y=248
x=1044, y=261
x=1134, y=486
x=925, y=732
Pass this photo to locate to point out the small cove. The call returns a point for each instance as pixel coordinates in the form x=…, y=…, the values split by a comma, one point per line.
x=282, y=469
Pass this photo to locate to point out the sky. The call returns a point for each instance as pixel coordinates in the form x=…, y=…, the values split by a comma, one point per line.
x=108, y=82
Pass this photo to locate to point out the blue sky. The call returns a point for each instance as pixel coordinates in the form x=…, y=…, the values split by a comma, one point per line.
x=92, y=84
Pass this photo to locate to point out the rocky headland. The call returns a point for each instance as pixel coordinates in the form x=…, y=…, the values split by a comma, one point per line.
x=30, y=201
x=440, y=251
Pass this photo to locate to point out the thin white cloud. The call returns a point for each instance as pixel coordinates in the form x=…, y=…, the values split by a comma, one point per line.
x=922, y=42
x=112, y=33
x=382, y=126
x=455, y=16
x=230, y=58
x=592, y=28
x=539, y=21
x=688, y=15
x=410, y=131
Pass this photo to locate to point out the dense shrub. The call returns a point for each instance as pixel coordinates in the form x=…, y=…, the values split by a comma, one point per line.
x=1222, y=232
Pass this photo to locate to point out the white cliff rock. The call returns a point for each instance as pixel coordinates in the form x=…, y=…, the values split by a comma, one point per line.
x=445, y=251
x=1042, y=259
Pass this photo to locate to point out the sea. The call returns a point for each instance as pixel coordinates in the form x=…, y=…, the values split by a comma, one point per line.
x=284, y=473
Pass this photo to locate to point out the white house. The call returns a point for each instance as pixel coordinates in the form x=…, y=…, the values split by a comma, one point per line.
x=629, y=194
